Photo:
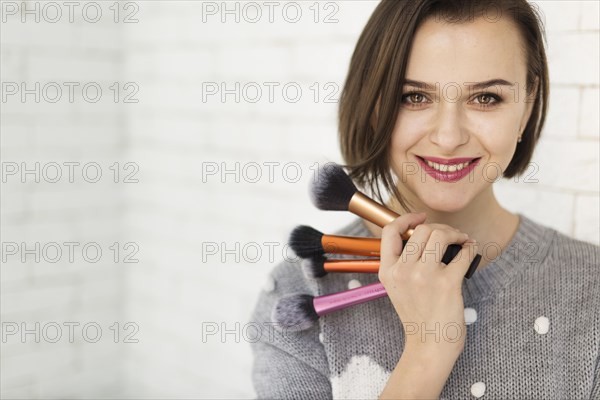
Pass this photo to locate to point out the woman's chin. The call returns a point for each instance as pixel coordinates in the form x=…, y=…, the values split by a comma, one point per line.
x=446, y=204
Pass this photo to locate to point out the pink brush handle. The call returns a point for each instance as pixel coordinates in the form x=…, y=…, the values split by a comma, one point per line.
x=337, y=301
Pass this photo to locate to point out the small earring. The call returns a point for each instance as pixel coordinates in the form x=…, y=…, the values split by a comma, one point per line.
x=519, y=140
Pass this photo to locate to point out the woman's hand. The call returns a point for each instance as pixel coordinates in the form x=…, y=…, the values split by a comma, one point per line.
x=425, y=292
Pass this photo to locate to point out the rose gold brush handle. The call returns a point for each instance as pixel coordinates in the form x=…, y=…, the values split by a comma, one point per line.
x=371, y=210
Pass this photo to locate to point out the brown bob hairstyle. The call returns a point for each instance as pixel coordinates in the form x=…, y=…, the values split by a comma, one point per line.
x=377, y=72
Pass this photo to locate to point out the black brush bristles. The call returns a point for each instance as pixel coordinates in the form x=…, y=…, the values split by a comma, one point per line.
x=306, y=241
x=314, y=267
x=332, y=189
x=295, y=312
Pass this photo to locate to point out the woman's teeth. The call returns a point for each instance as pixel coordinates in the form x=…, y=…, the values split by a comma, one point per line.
x=447, y=168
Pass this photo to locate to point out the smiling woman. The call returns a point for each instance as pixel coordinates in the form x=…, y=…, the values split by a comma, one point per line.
x=442, y=99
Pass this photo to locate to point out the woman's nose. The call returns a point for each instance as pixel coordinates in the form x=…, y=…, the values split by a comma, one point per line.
x=449, y=131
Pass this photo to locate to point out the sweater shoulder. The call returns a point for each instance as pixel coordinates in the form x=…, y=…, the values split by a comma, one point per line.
x=573, y=261
x=576, y=252
x=282, y=345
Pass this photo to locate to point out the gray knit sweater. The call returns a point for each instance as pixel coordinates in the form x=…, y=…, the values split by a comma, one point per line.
x=533, y=329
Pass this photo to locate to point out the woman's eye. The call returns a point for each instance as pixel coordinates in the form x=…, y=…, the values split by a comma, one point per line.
x=414, y=98
x=487, y=99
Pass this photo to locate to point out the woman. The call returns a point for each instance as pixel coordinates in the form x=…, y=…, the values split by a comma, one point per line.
x=442, y=99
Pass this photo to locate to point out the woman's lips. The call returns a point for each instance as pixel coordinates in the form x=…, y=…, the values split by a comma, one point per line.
x=451, y=161
x=449, y=176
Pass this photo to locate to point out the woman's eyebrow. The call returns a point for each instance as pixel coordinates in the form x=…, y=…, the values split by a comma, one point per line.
x=471, y=85
x=491, y=82
x=419, y=84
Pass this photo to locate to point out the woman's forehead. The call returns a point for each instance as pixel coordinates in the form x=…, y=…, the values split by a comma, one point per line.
x=467, y=52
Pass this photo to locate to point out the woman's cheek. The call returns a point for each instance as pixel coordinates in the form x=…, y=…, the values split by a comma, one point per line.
x=409, y=129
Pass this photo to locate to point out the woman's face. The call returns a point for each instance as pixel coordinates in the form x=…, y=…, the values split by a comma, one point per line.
x=474, y=106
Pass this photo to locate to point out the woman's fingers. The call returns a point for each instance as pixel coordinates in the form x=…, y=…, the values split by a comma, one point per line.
x=437, y=245
x=391, y=241
x=423, y=242
x=425, y=248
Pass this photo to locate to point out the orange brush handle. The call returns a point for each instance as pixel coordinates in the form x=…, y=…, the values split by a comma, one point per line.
x=357, y=246
x=367, y=266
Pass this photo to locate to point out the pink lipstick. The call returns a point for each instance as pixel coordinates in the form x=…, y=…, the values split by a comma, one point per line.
x=447, y=164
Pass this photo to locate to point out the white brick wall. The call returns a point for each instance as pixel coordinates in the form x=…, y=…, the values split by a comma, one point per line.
x=46, y=212
x=171, y=133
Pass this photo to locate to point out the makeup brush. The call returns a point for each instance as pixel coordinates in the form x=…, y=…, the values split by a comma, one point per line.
x=317, y=267
x=300, y=311
x=334, y=190
x=308, y=242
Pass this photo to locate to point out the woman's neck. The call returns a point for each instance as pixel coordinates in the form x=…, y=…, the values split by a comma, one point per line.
x=484, y=220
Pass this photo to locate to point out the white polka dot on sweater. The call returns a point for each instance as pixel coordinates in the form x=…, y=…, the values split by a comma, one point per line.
x=541, y=325
x=269, y=285
x=361, y=379
x=354, y=283
x=478, y=389
x=470, y=315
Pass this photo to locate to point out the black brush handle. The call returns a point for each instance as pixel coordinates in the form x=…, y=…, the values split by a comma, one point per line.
x=451, y=252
